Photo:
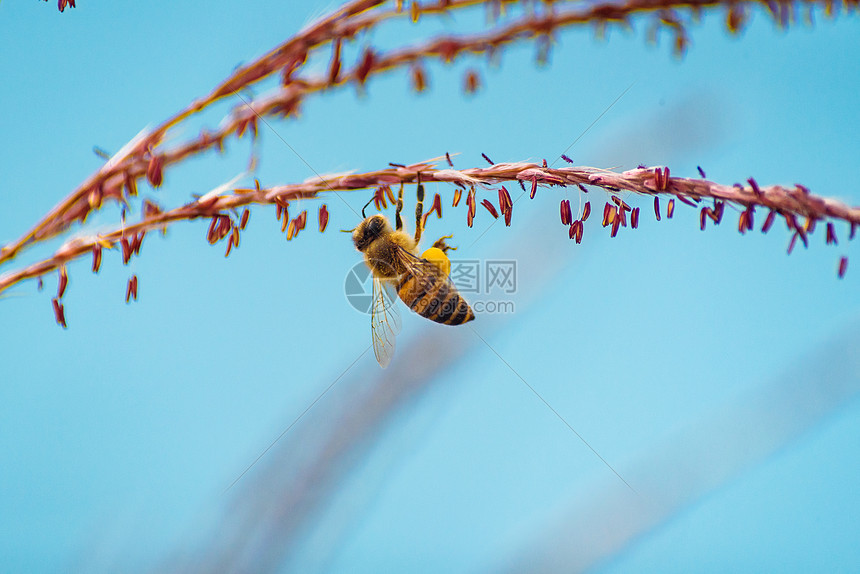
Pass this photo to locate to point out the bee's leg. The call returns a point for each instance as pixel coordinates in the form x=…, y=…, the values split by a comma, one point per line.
x=419, y=210
x=363, y=215
x=397, y=219
x=440, y=244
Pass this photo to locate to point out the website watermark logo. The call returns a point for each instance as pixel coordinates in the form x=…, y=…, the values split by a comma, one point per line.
x=488, y=285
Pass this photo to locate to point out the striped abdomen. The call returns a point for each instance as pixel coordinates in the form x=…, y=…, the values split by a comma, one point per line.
x=432, y=295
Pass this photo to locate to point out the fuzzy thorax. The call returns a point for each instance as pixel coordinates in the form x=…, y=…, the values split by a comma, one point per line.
x=380, y=244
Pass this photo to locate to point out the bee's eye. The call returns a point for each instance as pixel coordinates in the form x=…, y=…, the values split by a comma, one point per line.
x=375, y=226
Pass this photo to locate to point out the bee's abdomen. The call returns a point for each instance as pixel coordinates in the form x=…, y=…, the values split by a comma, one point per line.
x=435, y=298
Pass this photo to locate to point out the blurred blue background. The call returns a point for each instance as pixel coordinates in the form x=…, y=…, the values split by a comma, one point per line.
x=713, y=372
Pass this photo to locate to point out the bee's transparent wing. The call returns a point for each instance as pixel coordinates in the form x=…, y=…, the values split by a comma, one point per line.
x=384, y=320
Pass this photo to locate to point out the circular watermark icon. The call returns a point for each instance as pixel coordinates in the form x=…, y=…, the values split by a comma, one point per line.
x=487, y=286
x=358, y=288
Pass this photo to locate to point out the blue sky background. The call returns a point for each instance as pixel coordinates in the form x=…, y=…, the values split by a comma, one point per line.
x=713, y=372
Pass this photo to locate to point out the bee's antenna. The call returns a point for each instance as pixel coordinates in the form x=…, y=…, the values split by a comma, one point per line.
x=365, y=207
x=351, y=230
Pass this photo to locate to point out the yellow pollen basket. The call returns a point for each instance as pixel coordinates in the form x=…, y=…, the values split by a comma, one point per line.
x=438, y=258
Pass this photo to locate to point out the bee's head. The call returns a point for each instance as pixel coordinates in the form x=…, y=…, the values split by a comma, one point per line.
x=369, y=230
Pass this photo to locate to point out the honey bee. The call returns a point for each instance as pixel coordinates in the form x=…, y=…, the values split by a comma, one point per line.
x=421, y=282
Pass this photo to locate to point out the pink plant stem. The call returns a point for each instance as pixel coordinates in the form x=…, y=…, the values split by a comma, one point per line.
x=790, y=202
x=108, y=182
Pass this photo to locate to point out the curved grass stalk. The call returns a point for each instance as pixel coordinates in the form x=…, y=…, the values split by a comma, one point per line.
x=800, y=208
x=146, y=156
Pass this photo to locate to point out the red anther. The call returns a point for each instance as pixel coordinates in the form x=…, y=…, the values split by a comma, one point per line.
x=334, y=68
x=565, y=212
x=379, y=199
x=755, y=189
x=154, y=171
x=616, y=223
x=126, y=250
x=97, y=258
x=136, y=242
x=366, y=65
x=792, y=242
x=225, y=226
x=130, y=185
x=210, y=236
x=802, y=233
x=389, y=194
x=472, y=82
x=323, y=217
x=437, y=206
x=743, y=221
x=768, y=222
x=717, y=212
x=491, y=208
x=62, y=282
x=132, y=288
x=419, y=78
x=505, y=202
x=831, y=234
x=59, y=312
